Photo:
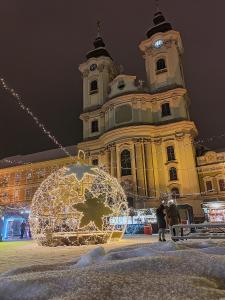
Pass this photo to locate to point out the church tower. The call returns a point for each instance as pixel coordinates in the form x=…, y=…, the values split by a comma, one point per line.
x=162, y=53
x=97, y=71
x=142, y=133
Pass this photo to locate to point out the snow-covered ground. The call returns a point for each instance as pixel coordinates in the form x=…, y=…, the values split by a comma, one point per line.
x=131, y=269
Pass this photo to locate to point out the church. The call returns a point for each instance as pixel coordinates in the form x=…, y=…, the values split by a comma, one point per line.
x=138, y=131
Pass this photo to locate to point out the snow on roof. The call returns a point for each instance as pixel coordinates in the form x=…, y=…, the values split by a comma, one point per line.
x=37, y=157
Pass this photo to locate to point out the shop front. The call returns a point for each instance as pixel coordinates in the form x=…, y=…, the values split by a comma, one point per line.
x=15, y=224
x=214, y=210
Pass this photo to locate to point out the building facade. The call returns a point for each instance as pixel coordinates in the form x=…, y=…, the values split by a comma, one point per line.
x=140, y=132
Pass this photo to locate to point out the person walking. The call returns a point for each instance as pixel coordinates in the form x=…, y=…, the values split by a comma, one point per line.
x=160, y=215
x=173, y=217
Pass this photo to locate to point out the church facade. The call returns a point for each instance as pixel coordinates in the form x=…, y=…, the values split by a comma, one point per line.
x=140, y=132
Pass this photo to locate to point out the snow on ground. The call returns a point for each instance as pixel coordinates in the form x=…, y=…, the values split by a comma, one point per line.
x=126, y=270
x=29, y=253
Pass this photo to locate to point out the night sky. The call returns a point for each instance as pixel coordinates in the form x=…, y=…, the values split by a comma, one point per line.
x=43, y=42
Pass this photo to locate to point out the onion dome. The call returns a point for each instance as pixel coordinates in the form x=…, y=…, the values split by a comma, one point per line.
x=160, y=25
x=99, y=47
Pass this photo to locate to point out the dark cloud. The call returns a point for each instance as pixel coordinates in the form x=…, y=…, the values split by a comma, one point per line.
x=43, y=42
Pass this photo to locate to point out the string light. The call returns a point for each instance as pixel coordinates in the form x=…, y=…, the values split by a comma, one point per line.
x=17, y=97
x=69, y=211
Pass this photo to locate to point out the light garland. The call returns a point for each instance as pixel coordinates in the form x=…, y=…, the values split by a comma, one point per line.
x=17, y=97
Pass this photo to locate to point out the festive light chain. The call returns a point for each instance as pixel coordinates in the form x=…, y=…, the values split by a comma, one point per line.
x=135, y=195
x=29, y=112
x=54, y=213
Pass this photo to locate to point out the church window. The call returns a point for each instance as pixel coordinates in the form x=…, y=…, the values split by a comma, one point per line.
x=94, y=87
x=94, y=126
x=175, y=193
x=95, y=162
x=209, y=187
x=165, y=109
x=121, y=84
x=125, y=163
x=173, y=174
x=160, y=64
x=222, y=185
x=170, y=153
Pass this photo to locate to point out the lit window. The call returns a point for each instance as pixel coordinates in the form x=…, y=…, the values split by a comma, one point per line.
x=17, y=177
x=209, y=186
x=16, y=194
x=93, y=86
x=5, y=195
x=170, y=153
x=165, y=109
x=95, y=162
x=28, y=193
x=222, y=185
x=41, y=173
x=94, y=126
x=173, y=174
x=4, y=181
x=160, y=64
x=125, y=163
x=29, y=175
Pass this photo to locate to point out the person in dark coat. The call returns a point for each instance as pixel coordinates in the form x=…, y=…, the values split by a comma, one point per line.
x=160, y=215
x=22, y=229
x=173, y=217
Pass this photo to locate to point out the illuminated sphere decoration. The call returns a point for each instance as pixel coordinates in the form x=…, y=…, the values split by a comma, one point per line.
x=78, y=205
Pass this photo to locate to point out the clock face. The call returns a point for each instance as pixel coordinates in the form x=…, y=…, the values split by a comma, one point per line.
x=158, y=44
x=93, y=67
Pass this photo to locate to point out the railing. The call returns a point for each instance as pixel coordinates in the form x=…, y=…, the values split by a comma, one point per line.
x=198, y=231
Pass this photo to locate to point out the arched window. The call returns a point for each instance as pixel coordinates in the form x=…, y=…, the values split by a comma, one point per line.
x=175, y=193
x=125, y=163
x=165, y=109
x=209, y=186
x=94, y=126
x=160, y=64
x=222, y=185
x=173, y=174
x=93, y=86
x=170, y=153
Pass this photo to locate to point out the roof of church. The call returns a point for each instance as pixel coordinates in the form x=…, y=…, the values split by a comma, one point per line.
x=99, y=49
x=160, y=25
x=36, y=157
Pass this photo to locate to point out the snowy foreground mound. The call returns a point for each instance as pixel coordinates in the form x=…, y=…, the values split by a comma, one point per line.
x=183, y=270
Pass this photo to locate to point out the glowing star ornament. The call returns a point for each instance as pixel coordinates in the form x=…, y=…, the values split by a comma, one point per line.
x=79, y=170
x=94, y=210
x=78, y=205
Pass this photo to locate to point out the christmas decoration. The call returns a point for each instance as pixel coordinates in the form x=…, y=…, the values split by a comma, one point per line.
x=75, y=205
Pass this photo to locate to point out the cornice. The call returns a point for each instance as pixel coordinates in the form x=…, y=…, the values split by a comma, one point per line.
x=134, y=98
x=142, y=131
